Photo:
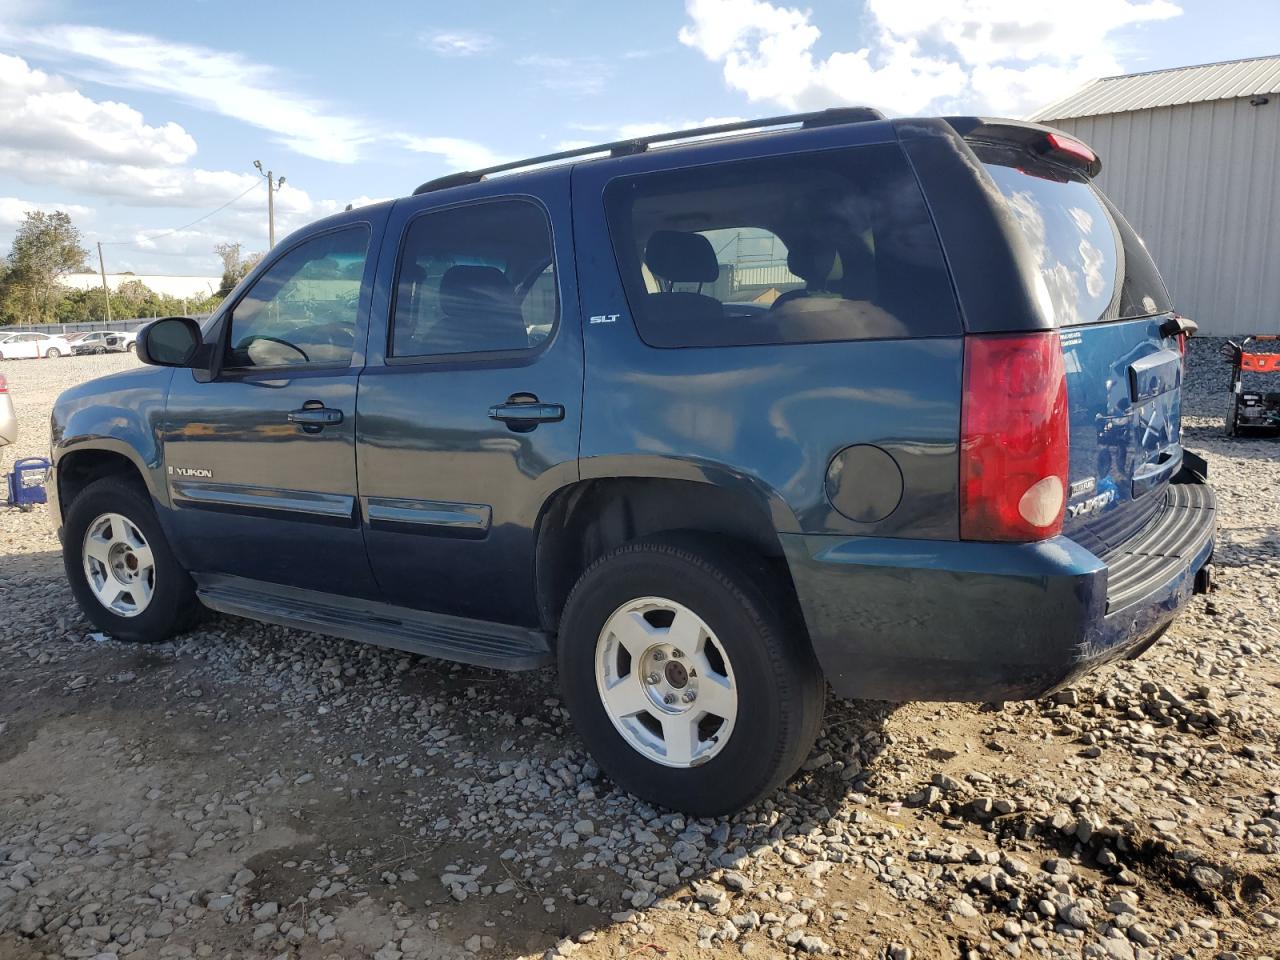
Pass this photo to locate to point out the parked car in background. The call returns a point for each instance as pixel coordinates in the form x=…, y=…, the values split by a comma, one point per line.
x=97, y=341
x=32, y=345
x=129, y=340
x=892, y=405
x=8, y=419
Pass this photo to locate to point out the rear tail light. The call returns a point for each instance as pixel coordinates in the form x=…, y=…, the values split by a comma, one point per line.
x=4, y=384
x=1013, y=437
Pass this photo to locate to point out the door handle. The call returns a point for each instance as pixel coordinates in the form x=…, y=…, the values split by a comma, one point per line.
x=523, y=412
x=315, y=416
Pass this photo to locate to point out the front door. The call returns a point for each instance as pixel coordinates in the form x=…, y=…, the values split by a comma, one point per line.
x=470, y=403
x=260, y=460
x=25, y=346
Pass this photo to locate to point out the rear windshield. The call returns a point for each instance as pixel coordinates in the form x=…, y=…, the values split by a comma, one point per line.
x=832, y=245
x=1093, y=265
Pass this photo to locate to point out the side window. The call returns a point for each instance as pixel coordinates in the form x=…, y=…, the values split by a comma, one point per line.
x=475, y=279
x=304, y=309
x=830, y=245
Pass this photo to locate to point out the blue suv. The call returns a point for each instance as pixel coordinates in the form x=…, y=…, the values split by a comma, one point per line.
x=711, y=419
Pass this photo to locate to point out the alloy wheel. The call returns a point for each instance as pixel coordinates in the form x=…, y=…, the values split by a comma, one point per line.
x=666, y=682
x=119, y=565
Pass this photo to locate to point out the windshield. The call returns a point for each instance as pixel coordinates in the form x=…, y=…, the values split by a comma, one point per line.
x=1092, y=265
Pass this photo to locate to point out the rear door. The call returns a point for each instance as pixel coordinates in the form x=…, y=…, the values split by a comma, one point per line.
x=471, y=402
x=1124, y=372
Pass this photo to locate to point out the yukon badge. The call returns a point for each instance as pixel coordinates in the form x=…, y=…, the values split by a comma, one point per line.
x=1092, y=505
x=191, y=473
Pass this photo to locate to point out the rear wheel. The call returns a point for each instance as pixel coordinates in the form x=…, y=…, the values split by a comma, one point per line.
x=688, y=675
x=121, y=569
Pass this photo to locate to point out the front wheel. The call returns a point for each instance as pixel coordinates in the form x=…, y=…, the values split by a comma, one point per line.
x=122, y=572
x=131, y=347
x=688, y=675
x=53, y=353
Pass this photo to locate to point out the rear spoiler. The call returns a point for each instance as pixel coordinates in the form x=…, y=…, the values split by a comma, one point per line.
x=1049, y=142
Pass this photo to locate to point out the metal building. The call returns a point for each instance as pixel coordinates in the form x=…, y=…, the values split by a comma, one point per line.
x=1192, y=157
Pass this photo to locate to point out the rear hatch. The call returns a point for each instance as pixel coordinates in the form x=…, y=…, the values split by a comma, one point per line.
x=1122, y=356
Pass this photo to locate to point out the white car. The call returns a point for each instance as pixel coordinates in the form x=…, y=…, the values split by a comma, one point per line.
x=17, y=346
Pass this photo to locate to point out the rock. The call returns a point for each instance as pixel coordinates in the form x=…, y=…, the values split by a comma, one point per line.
x=1206, y=878
x=266, y=911
x=1139, y=935
x=810, y=943
x=1118, y=949
x=735, y=881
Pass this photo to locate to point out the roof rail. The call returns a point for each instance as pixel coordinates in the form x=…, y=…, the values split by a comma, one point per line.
x=625, y=148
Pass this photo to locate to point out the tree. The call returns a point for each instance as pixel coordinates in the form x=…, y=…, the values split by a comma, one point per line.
x=234, y=266
x=45, y=249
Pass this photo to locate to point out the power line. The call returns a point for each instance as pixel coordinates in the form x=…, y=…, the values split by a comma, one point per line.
x=168, y=233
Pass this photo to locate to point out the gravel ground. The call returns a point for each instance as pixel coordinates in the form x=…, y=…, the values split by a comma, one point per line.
x=251, y=791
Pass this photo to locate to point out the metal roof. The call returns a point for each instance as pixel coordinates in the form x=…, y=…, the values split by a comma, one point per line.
x=1165, y=88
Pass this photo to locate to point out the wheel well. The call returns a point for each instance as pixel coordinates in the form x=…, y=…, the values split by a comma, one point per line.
x=77, y=470
x=586, y=520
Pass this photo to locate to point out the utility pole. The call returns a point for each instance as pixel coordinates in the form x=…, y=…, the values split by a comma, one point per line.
x=273, y=184
x=106, y=293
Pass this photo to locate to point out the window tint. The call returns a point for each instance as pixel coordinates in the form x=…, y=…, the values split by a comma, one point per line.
x=1082, y=245
x=1067, y=229
x=304, y=308
x=834, y=245
x=473, y=279
x=1142, y=292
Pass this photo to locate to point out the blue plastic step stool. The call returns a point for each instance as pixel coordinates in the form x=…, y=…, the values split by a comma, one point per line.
x=26, y=482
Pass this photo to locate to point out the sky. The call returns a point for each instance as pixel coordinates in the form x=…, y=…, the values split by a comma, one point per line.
x=139, y=118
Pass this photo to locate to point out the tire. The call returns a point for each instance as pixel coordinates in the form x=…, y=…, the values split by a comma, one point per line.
x=171, y=606
x=131, y=347
x=53, y=353
x=742, y=615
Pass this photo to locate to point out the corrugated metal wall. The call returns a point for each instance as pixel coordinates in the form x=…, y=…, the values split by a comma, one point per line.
x=1199, y=181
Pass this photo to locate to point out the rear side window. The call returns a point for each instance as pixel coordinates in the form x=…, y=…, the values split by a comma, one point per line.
x=835, y=245
x=1093, y=266
x=475, y=279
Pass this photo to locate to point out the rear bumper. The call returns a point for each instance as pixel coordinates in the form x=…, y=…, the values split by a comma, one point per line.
x=894, y=619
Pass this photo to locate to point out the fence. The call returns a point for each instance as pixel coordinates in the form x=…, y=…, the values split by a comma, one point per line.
x=121, y=325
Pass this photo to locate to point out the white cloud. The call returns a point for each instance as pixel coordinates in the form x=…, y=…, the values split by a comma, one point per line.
x=640, y=128
x=42, y=112
x=1000, y=56
x=457, y=43
x=457, y=153
x=173, y=186
x=14, y=210
x=648, y=129
x=215, y=80
x=575, y=76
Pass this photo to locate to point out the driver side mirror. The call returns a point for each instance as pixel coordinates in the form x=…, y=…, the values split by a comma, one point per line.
x=169, y=342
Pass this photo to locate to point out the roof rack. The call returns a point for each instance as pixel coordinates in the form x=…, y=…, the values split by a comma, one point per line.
x=626, y=148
